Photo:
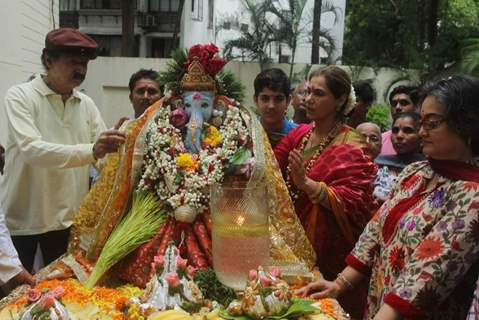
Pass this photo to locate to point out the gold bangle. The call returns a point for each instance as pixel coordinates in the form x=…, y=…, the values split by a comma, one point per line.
x=319, y=193
x=342, y=280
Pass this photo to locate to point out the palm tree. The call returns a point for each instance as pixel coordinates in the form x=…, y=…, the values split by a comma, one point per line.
x=289, y=28
x=254, y=38
x=320, y=38
x=315, y=58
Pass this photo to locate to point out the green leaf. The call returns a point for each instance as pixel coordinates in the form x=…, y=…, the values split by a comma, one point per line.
x=240, y=157
x=298, y=308
x=309, y=152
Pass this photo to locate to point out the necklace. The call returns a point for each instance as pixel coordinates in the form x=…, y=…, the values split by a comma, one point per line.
x=323, y=143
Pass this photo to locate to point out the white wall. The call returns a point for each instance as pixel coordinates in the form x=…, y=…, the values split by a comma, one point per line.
x=24, y=25
x=194, y=27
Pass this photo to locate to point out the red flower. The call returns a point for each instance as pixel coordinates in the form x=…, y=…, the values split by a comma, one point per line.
x=396, y=259
x=173, y=280
x=275, y=272
x=212, y=49
x=429, y=248
x=252, y=275
x=178, y=118
x=33, y=295
x=181, y=263
x=265, y=281
x=47, y=301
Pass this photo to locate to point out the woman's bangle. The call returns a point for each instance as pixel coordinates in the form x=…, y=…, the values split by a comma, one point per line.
x=343, y=282
x=319, y=193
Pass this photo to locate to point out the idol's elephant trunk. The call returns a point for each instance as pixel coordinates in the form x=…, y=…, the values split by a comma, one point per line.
x=193, y=131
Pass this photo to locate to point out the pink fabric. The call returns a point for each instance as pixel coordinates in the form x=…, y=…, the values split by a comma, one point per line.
x=387, y=148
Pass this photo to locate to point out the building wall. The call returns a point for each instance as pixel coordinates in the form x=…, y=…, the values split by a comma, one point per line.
x=24, y=25
x=196, y=26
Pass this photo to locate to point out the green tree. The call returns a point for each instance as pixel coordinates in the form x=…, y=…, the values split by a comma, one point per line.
x=423, y=34
x=289, y=28
x=255, y=38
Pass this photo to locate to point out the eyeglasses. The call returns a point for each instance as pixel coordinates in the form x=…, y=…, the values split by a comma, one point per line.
x=430, y=124
x=405, y=130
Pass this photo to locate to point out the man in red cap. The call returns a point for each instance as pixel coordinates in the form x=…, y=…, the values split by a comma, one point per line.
x=54, y=133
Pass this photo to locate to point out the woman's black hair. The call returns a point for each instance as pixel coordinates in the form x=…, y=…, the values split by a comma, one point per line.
x=409, y=115
x=460, y=96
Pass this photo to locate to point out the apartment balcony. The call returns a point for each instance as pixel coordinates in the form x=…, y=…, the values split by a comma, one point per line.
x=157, y=21
x=69, y=19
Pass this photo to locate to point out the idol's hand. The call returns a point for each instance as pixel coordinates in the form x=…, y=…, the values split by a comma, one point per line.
x=320, y=289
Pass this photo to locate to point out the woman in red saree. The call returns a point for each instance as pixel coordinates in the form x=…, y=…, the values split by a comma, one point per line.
x=329, y=176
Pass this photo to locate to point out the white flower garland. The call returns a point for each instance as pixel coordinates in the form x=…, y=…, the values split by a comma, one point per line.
x=177, y=187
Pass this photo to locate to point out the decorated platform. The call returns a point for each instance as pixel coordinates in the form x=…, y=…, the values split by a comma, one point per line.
x=191, y=219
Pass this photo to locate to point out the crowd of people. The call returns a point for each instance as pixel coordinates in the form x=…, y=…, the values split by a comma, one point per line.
x=393, y=217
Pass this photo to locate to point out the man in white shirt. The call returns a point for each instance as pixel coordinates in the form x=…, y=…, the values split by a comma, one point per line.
x=54, y=133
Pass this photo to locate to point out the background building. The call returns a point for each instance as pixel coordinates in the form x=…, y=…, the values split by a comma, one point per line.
x=24, y=25
x=155, y=22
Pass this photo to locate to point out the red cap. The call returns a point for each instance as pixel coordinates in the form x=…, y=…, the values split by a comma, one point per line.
x=71, y=40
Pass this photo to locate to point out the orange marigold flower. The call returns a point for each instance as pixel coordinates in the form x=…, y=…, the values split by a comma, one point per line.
x=429, y=248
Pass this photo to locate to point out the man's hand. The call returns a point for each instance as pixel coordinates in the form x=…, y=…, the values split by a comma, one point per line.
x=108, y=141
x=24, y=277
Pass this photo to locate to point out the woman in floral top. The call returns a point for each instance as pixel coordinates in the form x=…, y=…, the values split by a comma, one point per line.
x=421, y=250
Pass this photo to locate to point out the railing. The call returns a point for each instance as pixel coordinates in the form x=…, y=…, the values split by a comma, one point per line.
x=157, y=21
x=69, y=19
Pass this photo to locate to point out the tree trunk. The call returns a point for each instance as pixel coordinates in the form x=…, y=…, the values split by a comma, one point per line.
x=178, y=23
x=432, y=22
x=315, y=58
x=127, y=28
x=421, y=27
x=291, y=65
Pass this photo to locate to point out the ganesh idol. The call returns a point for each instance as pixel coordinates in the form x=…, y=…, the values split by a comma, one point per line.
x=197, y=136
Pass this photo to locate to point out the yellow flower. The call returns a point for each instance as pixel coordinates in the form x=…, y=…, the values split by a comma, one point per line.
x=186, y=162
x=213, y=137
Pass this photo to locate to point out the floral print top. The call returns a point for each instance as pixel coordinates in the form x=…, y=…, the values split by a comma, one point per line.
x=422, y=244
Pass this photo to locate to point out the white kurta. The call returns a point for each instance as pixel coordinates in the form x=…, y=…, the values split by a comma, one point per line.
x=49, y=146
x=10, y=264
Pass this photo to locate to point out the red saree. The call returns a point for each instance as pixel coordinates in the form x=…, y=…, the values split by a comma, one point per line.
x=348, y=174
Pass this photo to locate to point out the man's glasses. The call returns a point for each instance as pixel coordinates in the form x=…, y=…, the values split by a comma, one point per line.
x=429, y=123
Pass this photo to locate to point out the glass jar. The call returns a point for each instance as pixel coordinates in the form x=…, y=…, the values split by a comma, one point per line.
x=240, y=232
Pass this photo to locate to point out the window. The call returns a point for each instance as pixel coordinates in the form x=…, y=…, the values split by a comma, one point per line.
x=100, y=4
x=163, y=5
x=197, y=10
x=67, y=5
